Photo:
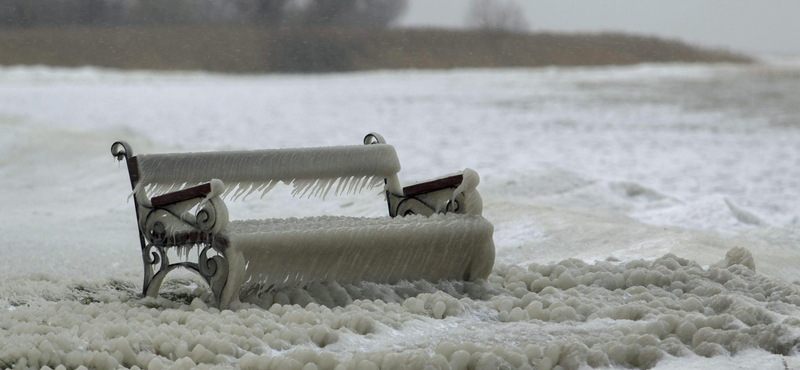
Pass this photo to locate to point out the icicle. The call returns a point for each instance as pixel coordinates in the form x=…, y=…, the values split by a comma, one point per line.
x=321, y=186
x=229, y=188
x=339, y=186
x=159, y=190
x=364, y=183
x=243, y=187
x=169, y=188
x=253, y=188
x=149, y=192
x=305, y=185
x=303, y=188
x=352, y=185
x=376, y=181
x=312, y=189
x=310, y=186
x=296, y=185
x=342, y=188
x=328, y=188
x=269, y=187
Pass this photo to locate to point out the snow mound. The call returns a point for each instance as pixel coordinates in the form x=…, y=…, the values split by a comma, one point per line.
x=568, y=314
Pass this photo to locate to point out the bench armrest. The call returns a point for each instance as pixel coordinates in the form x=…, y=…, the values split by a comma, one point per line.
x=201, y=190
x=433, y=185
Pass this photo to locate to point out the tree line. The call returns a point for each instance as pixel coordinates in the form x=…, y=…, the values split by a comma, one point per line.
x=277, y=13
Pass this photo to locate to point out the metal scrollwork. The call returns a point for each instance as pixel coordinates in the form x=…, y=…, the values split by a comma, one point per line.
x=214, y=269
x=121, y=150
x=206, y=216
x=413, y=206
x=428, y=204
x=374, y=138
x=152, y=258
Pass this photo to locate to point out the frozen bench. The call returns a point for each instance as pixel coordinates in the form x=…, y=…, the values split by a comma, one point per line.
x=178, y=199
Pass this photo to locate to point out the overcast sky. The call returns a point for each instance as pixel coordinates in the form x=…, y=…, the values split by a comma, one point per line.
x=755, y=26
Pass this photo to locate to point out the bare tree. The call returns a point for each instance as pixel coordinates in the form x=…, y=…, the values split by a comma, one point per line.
x=44, y=12
x=381, y=13
x=337, y=13
x=266, y=12
x=351, y=13
x=497, y=16
x=18, y=13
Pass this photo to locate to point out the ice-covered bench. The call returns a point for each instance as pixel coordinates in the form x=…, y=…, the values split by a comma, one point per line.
x=179, y=206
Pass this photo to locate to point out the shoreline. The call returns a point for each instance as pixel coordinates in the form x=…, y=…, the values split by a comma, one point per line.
x=258, y=50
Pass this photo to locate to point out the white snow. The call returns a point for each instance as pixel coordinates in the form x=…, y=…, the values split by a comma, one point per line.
x=644, y=216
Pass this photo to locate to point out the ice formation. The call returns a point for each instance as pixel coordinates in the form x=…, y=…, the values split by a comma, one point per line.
x=690, y=145
x=274, y=253
x=472, y=199
x=285, y=252
x=312, y=171
x=630, y=314
x=738, y=256
x=209, y=214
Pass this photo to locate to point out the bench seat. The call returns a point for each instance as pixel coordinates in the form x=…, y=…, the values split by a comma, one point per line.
x=353, y=249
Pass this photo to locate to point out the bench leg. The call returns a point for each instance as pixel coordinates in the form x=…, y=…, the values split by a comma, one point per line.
x=214, y=270
x=235, y=279
x=152, y=256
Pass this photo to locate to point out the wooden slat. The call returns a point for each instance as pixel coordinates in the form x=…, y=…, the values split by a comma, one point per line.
x=181, y=195
x=427, y=187
x=133, y=169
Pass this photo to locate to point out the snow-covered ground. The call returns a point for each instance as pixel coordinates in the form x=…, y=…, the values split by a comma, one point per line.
x=615, y=192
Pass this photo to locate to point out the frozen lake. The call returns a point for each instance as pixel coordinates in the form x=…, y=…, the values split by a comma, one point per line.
x=605, y=165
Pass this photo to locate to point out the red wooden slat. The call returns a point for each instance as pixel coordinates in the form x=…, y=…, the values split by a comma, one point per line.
x=427, y=187
x=133, y=169
x=181, y=195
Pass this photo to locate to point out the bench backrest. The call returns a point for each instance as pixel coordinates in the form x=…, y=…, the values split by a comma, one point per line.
x=309, y=169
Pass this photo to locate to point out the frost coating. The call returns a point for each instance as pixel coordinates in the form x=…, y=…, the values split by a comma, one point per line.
x=284, y=252
x=312, y=171
x=465, y=196
x=176, y=219
x=468, y=187
x=275, y=253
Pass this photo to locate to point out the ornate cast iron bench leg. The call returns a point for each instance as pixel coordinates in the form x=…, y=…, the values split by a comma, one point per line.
x=214, y=270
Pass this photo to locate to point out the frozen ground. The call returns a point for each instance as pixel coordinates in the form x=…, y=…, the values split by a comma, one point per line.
x=615, y=193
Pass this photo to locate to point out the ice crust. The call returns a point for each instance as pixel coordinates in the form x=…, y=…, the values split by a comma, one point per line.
x=275, y=253
x=610, y=314
x=312, y=171
x=285, y=252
